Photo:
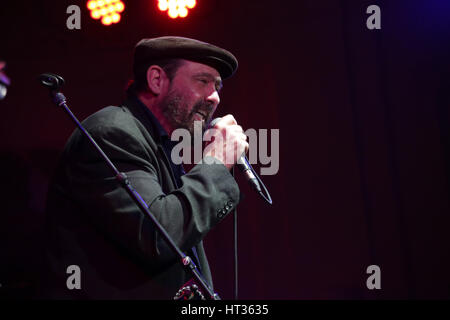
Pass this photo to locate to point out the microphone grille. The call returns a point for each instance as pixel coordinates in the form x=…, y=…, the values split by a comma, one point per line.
x=214, y=122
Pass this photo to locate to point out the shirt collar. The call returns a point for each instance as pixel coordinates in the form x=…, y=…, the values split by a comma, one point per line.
x=159, y=130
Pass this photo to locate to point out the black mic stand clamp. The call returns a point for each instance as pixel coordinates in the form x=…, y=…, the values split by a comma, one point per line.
x=197, y=288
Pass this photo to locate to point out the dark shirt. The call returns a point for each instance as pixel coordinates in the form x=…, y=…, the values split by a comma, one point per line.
x=166, y=143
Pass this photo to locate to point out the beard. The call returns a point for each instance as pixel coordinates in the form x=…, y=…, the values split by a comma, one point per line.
x=178, y=113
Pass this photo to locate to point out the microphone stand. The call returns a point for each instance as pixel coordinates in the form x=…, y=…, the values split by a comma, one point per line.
x=54, y=83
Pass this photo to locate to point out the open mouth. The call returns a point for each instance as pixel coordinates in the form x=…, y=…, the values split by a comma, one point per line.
x=201, y=114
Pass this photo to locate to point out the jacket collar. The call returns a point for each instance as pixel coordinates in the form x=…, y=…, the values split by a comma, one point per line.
x=146, y=117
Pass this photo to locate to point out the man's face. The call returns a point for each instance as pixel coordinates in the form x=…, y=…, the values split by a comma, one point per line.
x=193, y=95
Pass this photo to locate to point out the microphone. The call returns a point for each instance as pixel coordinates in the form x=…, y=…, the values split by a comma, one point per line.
x=243, y=165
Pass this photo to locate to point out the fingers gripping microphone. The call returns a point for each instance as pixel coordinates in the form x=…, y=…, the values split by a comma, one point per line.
x=244, y=166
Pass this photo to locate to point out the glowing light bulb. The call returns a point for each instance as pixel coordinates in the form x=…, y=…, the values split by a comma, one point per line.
x=176, y=8
x=182, y=12
x=95, y=14
x=92, y=5
x=106, y=10
x=190, y=3
x=106, y=20
x=115, y=18
x=173, y=13
x=120, y=7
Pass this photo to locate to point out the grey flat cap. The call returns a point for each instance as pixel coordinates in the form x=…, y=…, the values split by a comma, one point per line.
x=151, y=50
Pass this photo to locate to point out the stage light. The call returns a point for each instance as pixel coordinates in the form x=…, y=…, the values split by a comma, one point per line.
x=176, y=8
x=163, y=5
x=115, y=18
x=173, y=13
x=182, y=12
x=120, y=7
x=95, y=14
x=106, y=20
x=92, y=5
x=190, y=3
x=106, y=10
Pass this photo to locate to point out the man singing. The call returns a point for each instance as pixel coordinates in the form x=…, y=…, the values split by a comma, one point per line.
x=92, y=222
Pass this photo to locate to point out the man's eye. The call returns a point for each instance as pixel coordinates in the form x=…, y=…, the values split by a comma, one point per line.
x=203, y=81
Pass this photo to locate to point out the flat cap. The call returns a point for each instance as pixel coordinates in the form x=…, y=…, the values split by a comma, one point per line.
x=151, y=50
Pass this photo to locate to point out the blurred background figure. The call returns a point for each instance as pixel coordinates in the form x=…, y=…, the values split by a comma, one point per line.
x=4, y=81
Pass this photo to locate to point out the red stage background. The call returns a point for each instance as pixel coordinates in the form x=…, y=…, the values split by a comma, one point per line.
x=364, y=137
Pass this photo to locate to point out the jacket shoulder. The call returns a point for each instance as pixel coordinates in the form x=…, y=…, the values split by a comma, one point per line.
x=111, y=116
x=112, y=127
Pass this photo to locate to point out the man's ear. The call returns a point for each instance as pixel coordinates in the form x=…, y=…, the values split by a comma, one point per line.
x=156, y=79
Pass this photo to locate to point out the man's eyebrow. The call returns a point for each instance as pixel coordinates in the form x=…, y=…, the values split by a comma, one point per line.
x=217, y=80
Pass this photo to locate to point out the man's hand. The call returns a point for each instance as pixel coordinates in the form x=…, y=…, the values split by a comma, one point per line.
x=229, y=142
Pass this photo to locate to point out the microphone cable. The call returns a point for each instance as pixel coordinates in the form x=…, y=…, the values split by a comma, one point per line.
x=235, y=250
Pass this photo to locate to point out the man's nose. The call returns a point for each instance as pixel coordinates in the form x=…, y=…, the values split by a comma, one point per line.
x=214, y=98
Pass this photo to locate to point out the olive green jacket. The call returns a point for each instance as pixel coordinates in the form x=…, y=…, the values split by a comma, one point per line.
x=93, y=223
